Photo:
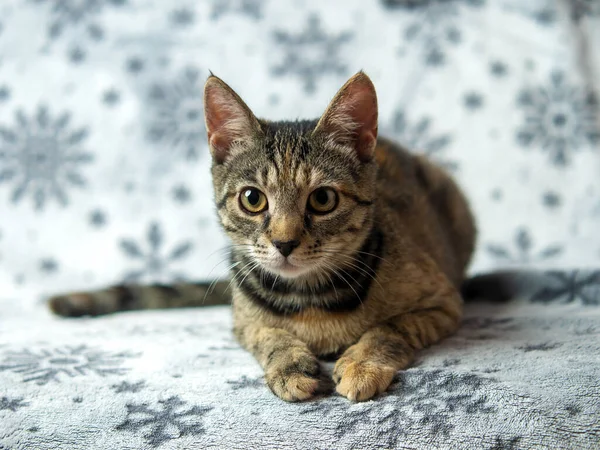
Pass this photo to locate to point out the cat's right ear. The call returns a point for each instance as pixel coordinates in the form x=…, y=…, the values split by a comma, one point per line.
x=351, y=117
x=229, y=122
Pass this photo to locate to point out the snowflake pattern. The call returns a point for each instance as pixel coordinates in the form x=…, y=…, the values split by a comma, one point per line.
x=498, y=69
x=524, y=250
x=97, y=218
x=126, y=386
x=48, y=265
x=182, y=17
x=504, y=443
x=74, y=12
x=434, y=25
x=46, y=365
x=170, y=420
x=111, y=97
x=558, y=118
x=311, y=53
x=178, y=114
x=547, y=13
x=12, y=404
x=246, y=383
x=154, y=265
x=426, y=400
x=4, y=90
x=181, y=193
x=584, y=8
x=42, y=156
x=249, y=8
x=542, y=347
x=418, y=136
x=569, y=287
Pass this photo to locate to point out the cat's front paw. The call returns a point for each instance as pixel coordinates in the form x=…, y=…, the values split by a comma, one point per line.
x=361, y=380
x=293, y=377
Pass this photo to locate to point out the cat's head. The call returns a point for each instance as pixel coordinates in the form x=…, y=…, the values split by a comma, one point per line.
x=295, y=197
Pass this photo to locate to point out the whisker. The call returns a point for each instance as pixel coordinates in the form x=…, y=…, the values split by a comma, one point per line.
x=347, y=282
x=358, y=251
x=249, y=272
x=211, y=286
x=332, y=285
x=236, y=275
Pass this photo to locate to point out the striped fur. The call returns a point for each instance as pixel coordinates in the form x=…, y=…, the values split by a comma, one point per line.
x=373, y=280
x=134, y=297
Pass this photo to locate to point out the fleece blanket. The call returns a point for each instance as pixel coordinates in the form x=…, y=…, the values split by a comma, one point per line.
x=104, y=178
x=520, y=375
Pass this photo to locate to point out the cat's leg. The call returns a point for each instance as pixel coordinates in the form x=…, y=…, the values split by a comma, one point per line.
x=291, y=369
x=367, y=367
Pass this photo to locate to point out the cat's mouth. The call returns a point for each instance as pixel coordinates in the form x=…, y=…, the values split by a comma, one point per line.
x=286, y=268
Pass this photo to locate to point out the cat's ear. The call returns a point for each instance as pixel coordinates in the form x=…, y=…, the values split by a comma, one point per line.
x=351, y=117
x=228, y=119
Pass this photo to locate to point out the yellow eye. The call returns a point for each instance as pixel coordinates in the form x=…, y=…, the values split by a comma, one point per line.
x=322, y=201
x=253, y=201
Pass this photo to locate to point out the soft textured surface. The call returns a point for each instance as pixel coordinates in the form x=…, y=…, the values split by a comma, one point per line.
x=104, y=177
x=522, y=375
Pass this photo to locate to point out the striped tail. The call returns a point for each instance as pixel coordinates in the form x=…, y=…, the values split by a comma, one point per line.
x=503, y=286
x=136, y=297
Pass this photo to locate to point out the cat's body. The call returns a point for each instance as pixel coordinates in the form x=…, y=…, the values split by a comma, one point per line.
x=421, y=226
x=343, y=244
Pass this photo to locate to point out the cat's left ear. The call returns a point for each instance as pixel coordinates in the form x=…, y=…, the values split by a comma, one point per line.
x=228, y=119
x=351, y=117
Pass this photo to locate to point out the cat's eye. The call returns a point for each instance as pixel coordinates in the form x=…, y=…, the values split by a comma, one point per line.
x=253, y=201
x=322, y=200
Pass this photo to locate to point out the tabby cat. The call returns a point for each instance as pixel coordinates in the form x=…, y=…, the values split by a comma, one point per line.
x=343, y=243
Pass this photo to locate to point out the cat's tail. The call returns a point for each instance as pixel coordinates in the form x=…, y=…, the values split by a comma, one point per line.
x=135, y=297
x=500, y=286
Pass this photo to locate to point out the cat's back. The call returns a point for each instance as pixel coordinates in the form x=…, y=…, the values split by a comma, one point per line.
x=419, y=201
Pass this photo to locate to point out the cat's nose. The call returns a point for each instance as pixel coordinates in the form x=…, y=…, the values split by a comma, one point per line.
x=286, y=247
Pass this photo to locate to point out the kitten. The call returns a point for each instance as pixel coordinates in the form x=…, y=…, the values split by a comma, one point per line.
x=344, y=243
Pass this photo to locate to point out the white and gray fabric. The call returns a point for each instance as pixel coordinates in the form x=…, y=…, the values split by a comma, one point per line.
x=104, y=178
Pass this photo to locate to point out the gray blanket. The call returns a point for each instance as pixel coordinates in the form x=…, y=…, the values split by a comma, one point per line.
x=104, y=178
x=519, y=375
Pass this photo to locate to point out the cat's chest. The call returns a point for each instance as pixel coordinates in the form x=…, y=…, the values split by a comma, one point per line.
x=325, y=332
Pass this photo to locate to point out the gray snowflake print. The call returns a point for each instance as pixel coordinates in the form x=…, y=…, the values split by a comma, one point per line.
x=155, y=264
x=423, y=400
x=542, y=347
x=523, y=251
x=246, y=383
x=177, y=114
x=419, y=136
x=42, y=156
x=48, y=265
x=434, y=25
x=182, y=17
x=584, y=8
x=558, y=118
x=311, y=53
x=50, y=364
x=171, y=419
x=569, y=287
x=181, y=194
x=12, y=404
x=547, y=14
x=97, y=218
x=67, y=13
x=248, y=8
x=506, y=443
x=126, y=386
